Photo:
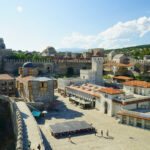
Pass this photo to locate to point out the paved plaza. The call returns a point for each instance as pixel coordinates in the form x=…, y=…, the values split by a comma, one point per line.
x=122, y=137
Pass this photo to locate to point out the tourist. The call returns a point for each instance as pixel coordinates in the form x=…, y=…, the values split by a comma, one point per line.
x=95, y=132
x=69, y=138
x=107, y=133
x=101, y=132
x=39, y=147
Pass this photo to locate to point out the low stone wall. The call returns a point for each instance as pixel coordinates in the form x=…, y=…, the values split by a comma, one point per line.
x=19, y=123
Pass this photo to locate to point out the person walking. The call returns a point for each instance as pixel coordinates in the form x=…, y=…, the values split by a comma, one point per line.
x=39, y=147
x=101, y=132
x=107, y=133
x=69, y=138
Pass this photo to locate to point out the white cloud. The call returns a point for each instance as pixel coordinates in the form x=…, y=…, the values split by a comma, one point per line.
x=118, y=35
x=19, y=9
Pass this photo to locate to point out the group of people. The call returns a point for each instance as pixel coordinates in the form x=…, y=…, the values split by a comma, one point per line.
x=107, y=133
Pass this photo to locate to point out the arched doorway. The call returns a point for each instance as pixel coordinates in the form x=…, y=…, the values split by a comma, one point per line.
x=49, y=69
x=105, y=107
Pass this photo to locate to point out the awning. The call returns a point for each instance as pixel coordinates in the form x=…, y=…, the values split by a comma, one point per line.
x=36, y=113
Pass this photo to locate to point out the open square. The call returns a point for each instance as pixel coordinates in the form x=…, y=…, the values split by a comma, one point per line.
x=121, y=137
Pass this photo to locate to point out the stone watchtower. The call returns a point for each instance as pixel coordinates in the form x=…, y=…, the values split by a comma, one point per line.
x=97, y=68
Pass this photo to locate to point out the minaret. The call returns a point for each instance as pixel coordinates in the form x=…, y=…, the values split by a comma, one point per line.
x=97, y=68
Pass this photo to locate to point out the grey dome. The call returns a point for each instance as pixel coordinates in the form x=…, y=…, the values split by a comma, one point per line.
x=50, y=50
x=28, y=65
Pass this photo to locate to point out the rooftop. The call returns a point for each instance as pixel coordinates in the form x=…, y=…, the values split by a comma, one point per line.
x=87, y=88
x=6, y=77
x=134, y=113
x=25, y=79
x=41, y=79
x=111, y=91
x=137, y=83
x=117, y=64
x=122, y=78
x=132, y=100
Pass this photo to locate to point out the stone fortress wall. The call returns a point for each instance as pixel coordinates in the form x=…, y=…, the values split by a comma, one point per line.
x=59, y=66
x=16, y=122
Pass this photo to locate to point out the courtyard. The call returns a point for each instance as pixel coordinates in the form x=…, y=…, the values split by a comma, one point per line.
x=121, y=137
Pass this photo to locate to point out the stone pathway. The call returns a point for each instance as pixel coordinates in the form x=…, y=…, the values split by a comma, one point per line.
x=31, y=130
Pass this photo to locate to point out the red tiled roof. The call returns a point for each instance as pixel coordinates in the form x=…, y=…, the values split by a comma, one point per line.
x=111, y=91
x=86, y=88
x=117, y=64
x=137, y=83
x=96, y=95
x=122, y=78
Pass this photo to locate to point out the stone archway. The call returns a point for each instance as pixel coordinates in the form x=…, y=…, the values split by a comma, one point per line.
x=49, y=69
x=105, y=107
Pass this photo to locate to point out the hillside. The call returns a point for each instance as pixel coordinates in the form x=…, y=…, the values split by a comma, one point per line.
x=128, y=49
x=137, y=52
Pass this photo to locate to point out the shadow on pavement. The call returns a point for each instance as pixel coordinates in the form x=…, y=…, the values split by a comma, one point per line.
x=61, y=111
x=45, y=142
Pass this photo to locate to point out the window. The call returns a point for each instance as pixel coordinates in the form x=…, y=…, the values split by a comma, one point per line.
x=106, y=96
x=30, y=85
x=43, y=87
x=11, y=82
x=4, y=83
x=17, y=84
x=20, y=86
x=31, y=71
x=20, y=70
x=4, y=89
x=10, y=88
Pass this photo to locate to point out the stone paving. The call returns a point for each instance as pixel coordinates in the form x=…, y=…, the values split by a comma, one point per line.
x=122, y=137
x=30, y=128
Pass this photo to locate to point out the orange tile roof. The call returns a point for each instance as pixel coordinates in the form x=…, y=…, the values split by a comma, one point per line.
x=122, y=78
x=96, y=95
x=6, y=77
x=111, y=91
x=25, y=79
x=86, y=88
x=117, y=64
x=137, y=83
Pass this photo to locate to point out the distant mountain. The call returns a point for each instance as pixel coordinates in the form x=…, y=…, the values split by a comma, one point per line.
x=75, y=50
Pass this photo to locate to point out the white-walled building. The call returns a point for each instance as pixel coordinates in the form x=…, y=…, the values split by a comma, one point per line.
x=116, y=102
x=137, y=87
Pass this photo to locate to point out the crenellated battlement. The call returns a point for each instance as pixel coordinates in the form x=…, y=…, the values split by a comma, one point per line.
x=49, y=61
x=24, y=60
x=58, y=66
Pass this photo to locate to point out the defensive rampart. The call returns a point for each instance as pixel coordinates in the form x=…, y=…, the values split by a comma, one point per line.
x=59, y=66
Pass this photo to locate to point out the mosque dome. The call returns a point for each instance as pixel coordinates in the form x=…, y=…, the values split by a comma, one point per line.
x=49, y=51
x=28, y=65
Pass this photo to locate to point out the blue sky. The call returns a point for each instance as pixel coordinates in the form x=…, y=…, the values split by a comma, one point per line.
x=35, y=24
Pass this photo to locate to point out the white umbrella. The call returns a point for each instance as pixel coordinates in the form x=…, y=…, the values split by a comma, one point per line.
x=44, y=112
